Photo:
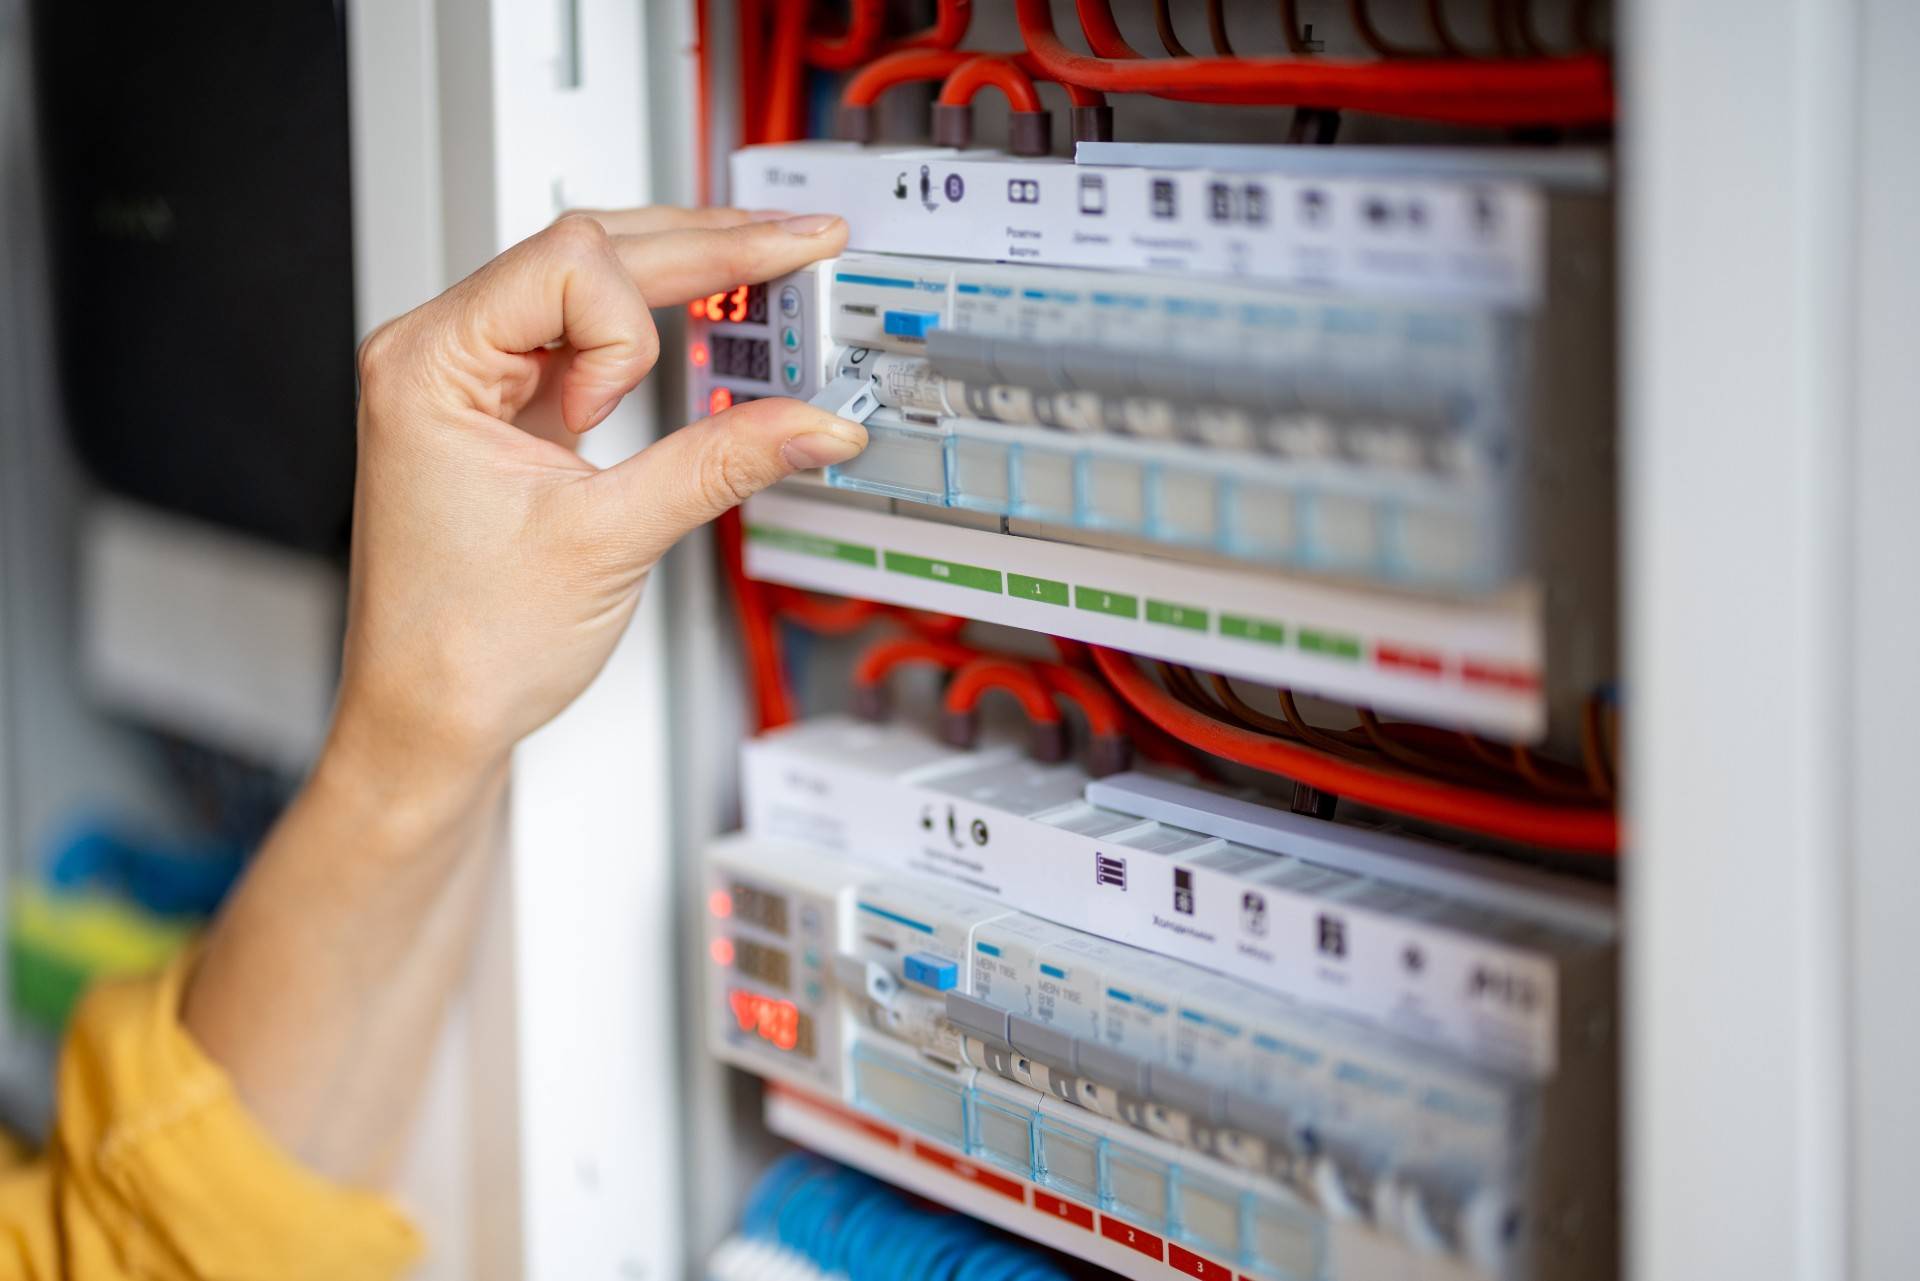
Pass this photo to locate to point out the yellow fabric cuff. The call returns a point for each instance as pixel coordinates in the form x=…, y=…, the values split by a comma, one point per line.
x=172, y=1178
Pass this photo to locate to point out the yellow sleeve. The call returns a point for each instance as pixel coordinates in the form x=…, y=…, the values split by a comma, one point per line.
x=156, y=1170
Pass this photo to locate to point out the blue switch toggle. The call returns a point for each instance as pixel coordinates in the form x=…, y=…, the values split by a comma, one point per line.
x=910, y=324
x=928, y=970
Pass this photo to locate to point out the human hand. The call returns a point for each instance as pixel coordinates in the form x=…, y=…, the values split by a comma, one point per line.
x=493, y=568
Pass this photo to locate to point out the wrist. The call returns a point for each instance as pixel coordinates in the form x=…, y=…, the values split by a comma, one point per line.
x=413, y=783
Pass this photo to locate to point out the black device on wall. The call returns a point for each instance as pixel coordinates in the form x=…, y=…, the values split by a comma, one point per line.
x=198, y=189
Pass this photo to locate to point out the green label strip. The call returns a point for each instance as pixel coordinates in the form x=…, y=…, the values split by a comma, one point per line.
x=792, y=540
x=1119, y=604
x=1331, y=644
x=945, y=571
x=1263, y=630
x=1051, y=591
x=1187, y=616
x=1048, y=591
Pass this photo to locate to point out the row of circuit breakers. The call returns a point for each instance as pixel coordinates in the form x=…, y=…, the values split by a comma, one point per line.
x=1365, y=1060
x=1362, y=413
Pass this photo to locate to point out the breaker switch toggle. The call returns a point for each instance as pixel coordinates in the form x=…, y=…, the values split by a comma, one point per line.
x=928, y=970
x=910, y=324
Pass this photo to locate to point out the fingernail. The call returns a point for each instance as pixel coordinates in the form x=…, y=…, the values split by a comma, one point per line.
x=819, y=449
x=810, y=224
x=768, y=215
x=594, y=418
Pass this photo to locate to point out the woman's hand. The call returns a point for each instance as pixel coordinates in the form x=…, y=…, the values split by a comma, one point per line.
x=493, y=568
x=493, y=571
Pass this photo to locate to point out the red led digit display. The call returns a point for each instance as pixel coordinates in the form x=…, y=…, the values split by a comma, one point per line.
x=779, y=1023
x=743, y=304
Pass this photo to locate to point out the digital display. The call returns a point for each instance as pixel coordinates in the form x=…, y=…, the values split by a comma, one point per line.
x=758, y=961
x=742, y=357
x=742, y=305
x=759, y=907
x=780, y=1024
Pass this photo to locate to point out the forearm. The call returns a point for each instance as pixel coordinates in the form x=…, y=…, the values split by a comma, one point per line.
x=322, y=986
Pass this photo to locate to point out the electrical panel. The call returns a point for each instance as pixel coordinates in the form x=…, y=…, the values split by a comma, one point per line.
x=1126, y=993
x=1271, y=485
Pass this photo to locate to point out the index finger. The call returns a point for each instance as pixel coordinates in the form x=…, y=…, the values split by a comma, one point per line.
x=565, y=283
x=674, y=267
x=649, y=219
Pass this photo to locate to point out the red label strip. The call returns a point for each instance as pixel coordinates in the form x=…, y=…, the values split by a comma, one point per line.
x=1519, y=678
x=1131, y=1237
x=1055, y=1207
x=1408, y=660
x=970, y=1172
x=1194, y=1266
x=834, y=1111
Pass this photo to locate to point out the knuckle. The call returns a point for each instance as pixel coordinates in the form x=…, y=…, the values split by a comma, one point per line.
x=577, y=235
x=725, y=478
x=646, y=337
x=377, y=352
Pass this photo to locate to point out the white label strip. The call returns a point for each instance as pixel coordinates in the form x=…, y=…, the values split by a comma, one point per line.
x=1493, y=1002
x=1474, y=665
x=1480, y=240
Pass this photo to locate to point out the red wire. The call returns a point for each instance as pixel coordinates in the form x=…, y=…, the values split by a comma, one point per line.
x=1078, y=95
x=990, y=71
x=786, y=81
x=1105, y=717
x=828, y=615
x=866, y=25
x=879, y=659
x=1508, y=91
x=1585, y=830
x=703, y=106
x=883, y=73
x=929, y=626
x=866, y=85
x=948, y=30
x=773, y=705
x=753, y=57
x=979, y=675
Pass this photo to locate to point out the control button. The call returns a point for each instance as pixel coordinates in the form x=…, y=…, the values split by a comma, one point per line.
x=790, y=338
x=910, y=324
x=1110, y=1066
x=1040, y=1041
x=789, y=301
x=928, y=970
x=1200, y=1099
x=791, y=372
x=977, y=1017
x=966, y=357
x=1022, y=363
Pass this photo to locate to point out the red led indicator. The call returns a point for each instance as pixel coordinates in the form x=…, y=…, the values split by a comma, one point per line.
x=718, y=399
x=698, y=354
x=721, y=950
x=774, y=1021
x=720, y=903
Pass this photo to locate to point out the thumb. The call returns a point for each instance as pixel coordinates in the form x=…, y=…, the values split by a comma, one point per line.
x=685, y=479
